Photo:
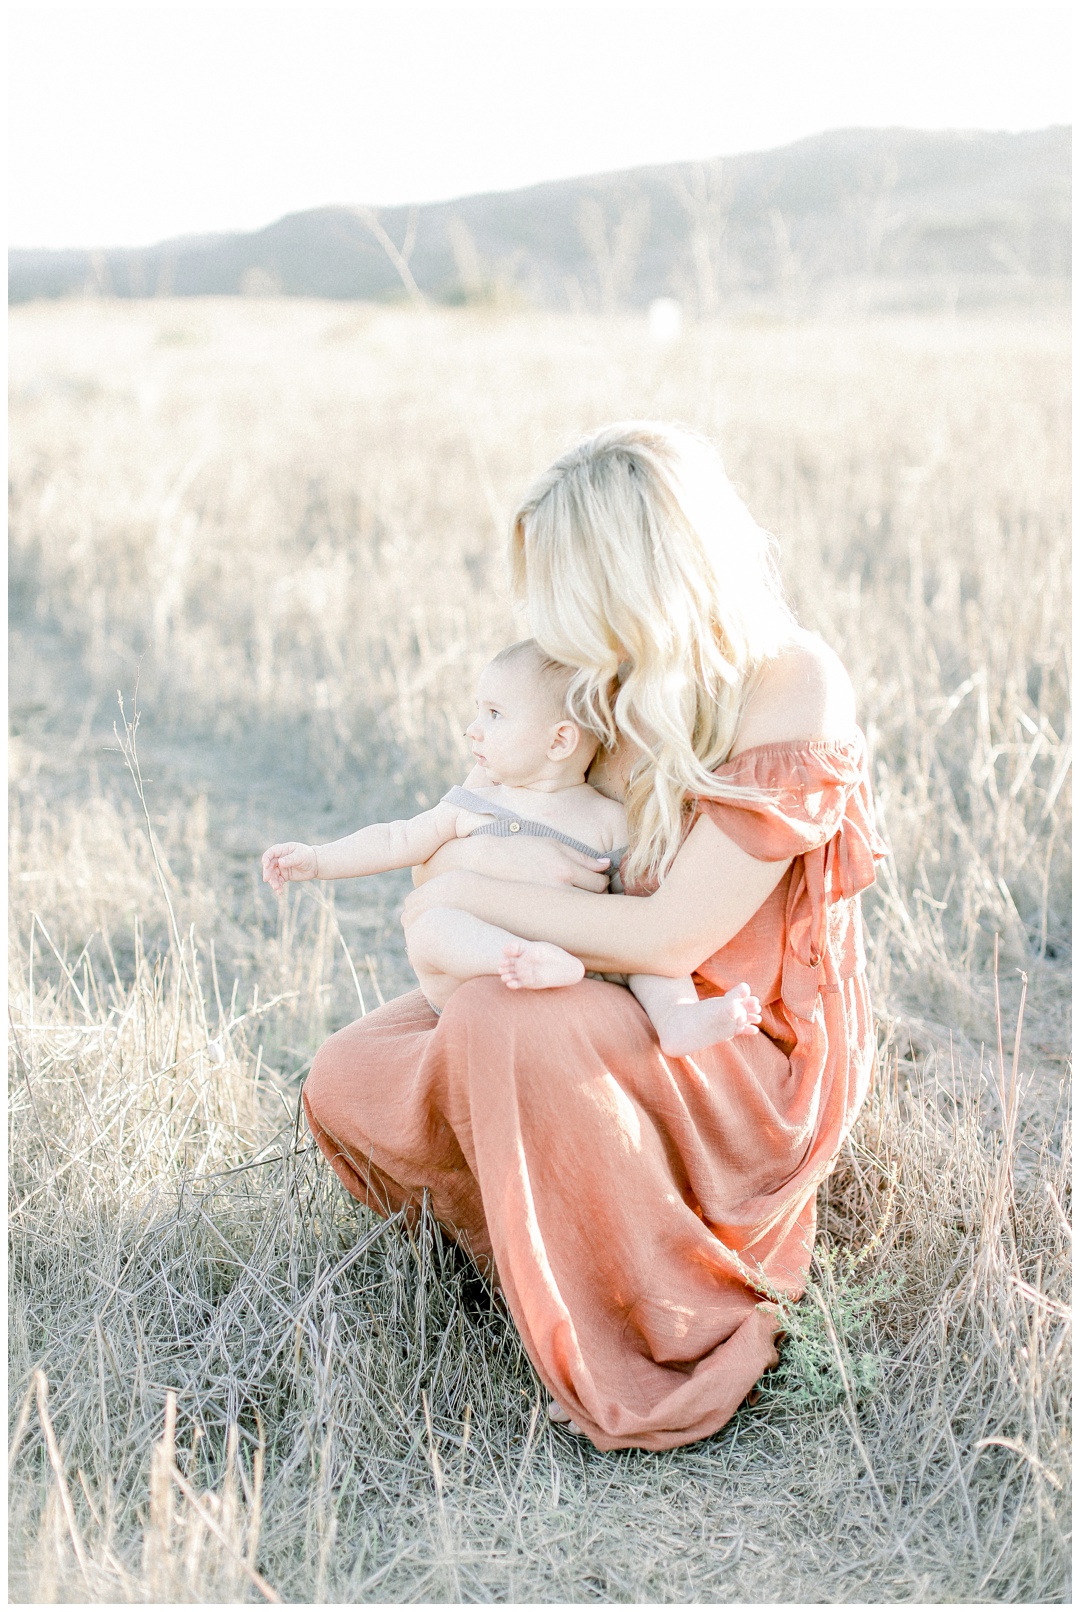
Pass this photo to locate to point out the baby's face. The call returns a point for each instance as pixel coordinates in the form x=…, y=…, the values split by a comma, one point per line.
x=515, y=723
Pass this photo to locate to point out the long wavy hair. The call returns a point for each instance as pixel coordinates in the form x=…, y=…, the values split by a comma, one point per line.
x=642, y=568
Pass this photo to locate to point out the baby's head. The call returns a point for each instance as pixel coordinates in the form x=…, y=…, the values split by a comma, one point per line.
x=523, y=733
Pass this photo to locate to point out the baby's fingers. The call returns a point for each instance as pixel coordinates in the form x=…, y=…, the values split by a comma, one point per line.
x=270, y=871
x=272, y=877
x=275, y=854
x=289, y=860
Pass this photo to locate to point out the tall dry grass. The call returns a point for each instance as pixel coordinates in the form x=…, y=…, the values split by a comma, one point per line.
x=286, y=520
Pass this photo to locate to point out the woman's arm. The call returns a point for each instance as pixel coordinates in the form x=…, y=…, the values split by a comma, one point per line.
x=713, y=889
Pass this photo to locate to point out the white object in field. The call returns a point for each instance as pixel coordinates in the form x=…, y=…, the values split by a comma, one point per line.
x=215, y=1052
x=665, y=320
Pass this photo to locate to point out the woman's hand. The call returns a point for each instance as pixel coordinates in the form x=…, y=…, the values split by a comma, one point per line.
x=288, y=863
x=525, y=860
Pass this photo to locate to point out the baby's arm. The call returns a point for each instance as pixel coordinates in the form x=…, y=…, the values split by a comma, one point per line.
x=685, y=1024
x=374, y=849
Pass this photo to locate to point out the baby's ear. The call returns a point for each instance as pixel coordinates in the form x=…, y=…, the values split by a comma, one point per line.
x=564, y=741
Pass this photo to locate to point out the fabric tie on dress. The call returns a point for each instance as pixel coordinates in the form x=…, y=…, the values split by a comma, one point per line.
x=821, y=816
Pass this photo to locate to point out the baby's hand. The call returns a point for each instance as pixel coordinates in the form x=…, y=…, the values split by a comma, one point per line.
x=288, y=862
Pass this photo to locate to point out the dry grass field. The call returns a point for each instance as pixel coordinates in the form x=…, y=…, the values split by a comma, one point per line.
x=282, y=524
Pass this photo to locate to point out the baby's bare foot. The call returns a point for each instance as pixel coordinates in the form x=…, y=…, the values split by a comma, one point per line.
x=535, y=965
x=693, y=1025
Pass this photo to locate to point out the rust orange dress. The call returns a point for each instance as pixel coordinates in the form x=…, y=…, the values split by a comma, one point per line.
x=638, y=1209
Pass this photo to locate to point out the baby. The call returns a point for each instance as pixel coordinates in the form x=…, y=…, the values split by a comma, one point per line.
x=530, y=779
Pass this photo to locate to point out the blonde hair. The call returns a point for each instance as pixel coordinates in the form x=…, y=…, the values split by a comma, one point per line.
x=643, y=568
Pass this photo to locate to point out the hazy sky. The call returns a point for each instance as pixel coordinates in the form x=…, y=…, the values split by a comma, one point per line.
x=132, y=123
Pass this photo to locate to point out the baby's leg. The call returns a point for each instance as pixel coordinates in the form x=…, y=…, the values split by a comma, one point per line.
x=684, y=1024
x=447, y=946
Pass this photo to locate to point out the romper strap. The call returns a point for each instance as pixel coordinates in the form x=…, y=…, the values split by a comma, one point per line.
x=508, y=822
x=469, y=802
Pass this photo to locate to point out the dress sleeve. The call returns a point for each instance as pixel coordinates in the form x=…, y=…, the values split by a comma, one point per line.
x=814, y=807
x=812, y=795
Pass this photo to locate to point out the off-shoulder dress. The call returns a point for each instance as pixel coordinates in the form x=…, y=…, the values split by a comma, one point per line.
x=637, y=1211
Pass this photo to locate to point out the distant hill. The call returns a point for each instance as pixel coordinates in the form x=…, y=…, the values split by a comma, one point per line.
x=889, y=216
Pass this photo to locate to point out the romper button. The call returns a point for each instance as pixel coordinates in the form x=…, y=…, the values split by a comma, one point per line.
x=515, y=828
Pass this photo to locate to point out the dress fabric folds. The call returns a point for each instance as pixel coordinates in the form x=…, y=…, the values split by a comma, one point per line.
x=638, y=1211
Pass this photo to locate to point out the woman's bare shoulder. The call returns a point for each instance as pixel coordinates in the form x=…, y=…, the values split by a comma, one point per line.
x=804, y=693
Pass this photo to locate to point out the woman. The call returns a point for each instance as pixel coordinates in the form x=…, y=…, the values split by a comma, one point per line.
x=640, y=1211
